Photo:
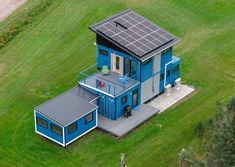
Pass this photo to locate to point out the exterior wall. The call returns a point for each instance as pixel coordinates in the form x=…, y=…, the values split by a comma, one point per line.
x=120, y=107
x=46, y=132
x=82, y=128
x=106, y=60
x=106, y=106
x=146, y=70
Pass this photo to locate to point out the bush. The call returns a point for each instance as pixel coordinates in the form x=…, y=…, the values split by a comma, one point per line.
x=199, y=129
x=8, y=33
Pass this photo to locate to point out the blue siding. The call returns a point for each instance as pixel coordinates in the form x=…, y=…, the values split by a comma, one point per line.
x=47, y=131
x=175, y=75
x=120, y=106
x=81, y=127
x=146, y=70
x=106, y=60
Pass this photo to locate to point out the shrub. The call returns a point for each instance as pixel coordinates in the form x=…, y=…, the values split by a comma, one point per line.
x=199, y=129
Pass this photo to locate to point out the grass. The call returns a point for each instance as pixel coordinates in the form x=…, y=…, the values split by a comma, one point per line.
x=44, y=60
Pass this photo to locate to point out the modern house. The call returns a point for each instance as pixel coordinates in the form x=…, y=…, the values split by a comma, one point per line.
x=135, y=63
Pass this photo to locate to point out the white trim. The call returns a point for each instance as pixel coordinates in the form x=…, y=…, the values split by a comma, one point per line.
x=86, y=131
x=94, y=99
x=55, y=122
x=49, y=138
x=35, y=121
x=64, y=136
x=127, y=89
x=165, y=72
x=96, y=89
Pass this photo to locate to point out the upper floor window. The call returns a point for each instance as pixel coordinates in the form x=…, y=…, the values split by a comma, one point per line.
x=168, y=73
x=147, y=61
x=42, y=122
x=72, y=127
x=88, y=118
x=176, y=68
x=56, y=129
x=104, y=52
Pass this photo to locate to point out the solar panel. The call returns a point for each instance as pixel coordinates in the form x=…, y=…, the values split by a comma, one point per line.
x=134, y=33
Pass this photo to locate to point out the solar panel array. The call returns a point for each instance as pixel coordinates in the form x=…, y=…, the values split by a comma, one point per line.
x=135, y=33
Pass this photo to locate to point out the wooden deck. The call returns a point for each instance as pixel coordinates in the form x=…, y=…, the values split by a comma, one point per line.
x=123, y=125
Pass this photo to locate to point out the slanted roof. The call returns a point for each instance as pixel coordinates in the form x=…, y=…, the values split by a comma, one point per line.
x=135, y=34
x=69, y=106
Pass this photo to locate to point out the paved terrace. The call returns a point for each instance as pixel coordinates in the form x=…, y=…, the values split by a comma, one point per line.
x=112, y=84
x=123, y=125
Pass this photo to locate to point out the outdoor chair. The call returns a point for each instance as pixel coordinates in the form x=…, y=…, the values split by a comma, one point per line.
x=105, y=70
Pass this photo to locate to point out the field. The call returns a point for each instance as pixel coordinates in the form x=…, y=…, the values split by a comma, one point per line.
x=44, y=60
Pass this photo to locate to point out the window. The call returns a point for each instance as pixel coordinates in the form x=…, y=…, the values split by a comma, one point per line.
x=168, y=73
x=124, y=99
x=89, y=118
x=176, y=68
x=72, y=127
x=162, y=77
x=56, y=129
x=147, y=61
x=42, y=122
x=117, y=62
x=104, y=52
x=130, y=67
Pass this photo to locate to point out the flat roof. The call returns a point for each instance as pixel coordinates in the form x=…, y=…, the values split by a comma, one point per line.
x=69, y=106
x=135, y=34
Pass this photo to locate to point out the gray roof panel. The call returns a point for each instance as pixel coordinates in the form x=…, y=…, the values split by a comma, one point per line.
x=129, y=25
x=69, y=106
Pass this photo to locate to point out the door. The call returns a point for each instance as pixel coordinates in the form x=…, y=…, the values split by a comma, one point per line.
x=117, y=64
x=135, y=98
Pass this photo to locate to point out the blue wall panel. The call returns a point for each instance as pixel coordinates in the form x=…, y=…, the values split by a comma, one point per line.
x=47, y=131
x=146, y=70
x=120, y=106
x=81, y=127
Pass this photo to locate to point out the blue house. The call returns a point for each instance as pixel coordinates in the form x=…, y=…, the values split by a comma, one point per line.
x=135, y=63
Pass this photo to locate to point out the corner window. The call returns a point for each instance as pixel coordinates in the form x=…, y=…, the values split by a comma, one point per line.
x=162, y=77
x=104, y=52
x=168, y=73
x=176, y=68
x=72, y=127
x=56, y=129
x=42, y=122
x=147, y=61
x=124, y=99
x=88, y=118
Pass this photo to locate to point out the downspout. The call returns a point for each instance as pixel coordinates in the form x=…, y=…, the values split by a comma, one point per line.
x=64, y=142
x=165, y=72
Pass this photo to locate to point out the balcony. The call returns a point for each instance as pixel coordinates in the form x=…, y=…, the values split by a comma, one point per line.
x=108, y=84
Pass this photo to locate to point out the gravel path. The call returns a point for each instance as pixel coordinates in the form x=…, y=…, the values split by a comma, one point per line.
x=7, y=7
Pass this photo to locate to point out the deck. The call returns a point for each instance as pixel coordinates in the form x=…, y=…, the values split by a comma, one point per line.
x=112, y=84
x=123, y=125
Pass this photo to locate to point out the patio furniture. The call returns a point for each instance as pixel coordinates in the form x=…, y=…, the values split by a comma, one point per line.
x=101, y=84
x=123, y=79
x=127, y=111
x=105, y=70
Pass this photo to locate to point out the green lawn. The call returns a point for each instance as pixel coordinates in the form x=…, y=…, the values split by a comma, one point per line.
x=44, y=60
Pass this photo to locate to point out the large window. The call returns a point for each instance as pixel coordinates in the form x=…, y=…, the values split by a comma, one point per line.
x=130, y=67
x=88, y=118
x=72, y=127
x=42, y=122
x=56, y=129
x=117, y=65
x=104, y=52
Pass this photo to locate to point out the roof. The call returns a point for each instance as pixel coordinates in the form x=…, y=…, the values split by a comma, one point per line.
x=135, y=34
x=69, y=106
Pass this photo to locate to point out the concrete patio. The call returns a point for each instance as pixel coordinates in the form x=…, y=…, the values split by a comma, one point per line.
x=123, y=125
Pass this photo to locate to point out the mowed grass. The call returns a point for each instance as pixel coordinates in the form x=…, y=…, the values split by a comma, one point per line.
x=44, y=60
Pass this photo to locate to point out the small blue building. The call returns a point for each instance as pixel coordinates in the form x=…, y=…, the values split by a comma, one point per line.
x=135, y=63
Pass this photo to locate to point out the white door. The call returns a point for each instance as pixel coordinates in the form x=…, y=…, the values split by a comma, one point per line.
x=117, y=64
